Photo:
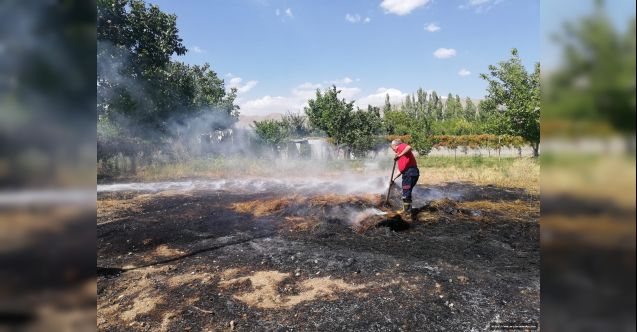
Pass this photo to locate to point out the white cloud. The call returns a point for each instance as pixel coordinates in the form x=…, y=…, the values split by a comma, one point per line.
x=235, y=82
x=268, y=105
x=348, y=93
x=299, y=95
x=305, y=91
x=344, y=80
x=356, y=18
x=402, y=7
x=378, y=99
x=294, y=102
x=308, y=85
x=352, y=18
x=464, y=72
x=432, y=27
x=445, y=53
x=287, y=12
x=480, y=5
x=198, y=49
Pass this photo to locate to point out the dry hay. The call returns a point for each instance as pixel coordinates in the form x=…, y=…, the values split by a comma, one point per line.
x=263, y=289
x=603, y=231
x=298, y=206
x=259, y=208
x=316, y=204
x=300, y=223
x=109, y=210
x=441, y=205
x=304, y=213
x=19, y=227
x=146, y=296
x=164, y=251
x=517, y=209
x=330, y=200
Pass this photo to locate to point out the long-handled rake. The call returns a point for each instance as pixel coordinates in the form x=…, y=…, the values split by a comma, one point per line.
x=391, y=182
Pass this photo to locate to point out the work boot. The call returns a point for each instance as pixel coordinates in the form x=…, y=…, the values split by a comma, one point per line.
x=406, y=208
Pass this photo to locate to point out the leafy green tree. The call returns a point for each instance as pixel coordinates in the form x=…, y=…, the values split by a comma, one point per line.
x=149, y=35
x=409, y=106
x=470, y=110
x=364, y=126
x=421, y=103
x=353, y=130
x=517, y=92
x=140, y=90
x=271, y=132
x=387, y=105
x=596, y=81
x=451, y=108
x=296, y=125
x=435, y=106
x=330, y=114
x=398, y=122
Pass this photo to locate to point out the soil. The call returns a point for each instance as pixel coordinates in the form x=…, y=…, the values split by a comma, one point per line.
x=217, y=260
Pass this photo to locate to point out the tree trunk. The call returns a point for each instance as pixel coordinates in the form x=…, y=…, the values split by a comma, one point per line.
x=536, y=149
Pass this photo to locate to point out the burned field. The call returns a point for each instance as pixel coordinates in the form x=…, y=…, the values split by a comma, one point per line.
x=266, y=255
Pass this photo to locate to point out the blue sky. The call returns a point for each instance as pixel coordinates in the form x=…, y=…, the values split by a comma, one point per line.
x=277, y=52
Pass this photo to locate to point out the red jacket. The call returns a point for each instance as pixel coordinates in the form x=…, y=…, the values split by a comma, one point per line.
x=407, y=160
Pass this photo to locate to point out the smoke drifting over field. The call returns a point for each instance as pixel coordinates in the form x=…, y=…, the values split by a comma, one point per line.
x=361, y=185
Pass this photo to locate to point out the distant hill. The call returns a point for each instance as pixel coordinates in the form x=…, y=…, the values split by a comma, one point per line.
x=246, y=120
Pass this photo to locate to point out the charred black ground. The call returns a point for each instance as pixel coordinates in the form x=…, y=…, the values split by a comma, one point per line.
x=215, y=260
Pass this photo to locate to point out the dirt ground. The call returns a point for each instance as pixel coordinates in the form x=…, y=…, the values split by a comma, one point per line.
x=217, y=260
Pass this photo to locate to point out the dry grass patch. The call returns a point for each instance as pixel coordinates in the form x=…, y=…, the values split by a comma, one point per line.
x=517, y=209
x=300, y=224
x=145, y=295
x=260, y=208
x=264, y=293
x=18, y=227
x=520, y=173
x=603, y=231
x=597, y=177
x=164, y=251
x=354, y=200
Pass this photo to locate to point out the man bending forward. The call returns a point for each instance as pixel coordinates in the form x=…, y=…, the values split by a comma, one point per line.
x=408, y=168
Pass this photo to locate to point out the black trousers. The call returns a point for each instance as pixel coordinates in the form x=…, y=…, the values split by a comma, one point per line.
x=410, y=178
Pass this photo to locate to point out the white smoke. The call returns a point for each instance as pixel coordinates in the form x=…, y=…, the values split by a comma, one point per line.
x=348, y=186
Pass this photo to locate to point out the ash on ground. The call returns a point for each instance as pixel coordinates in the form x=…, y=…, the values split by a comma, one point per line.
x=211, y=260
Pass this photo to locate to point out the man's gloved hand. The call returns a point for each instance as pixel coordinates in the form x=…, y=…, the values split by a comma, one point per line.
x=396, y=158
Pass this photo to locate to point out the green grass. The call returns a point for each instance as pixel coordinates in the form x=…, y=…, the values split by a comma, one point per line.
x=465, y=161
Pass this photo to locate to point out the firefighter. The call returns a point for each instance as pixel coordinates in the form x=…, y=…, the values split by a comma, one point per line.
x=408, y=169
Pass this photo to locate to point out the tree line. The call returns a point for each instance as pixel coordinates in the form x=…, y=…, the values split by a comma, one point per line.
x=510, y=109
x=150, y=104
